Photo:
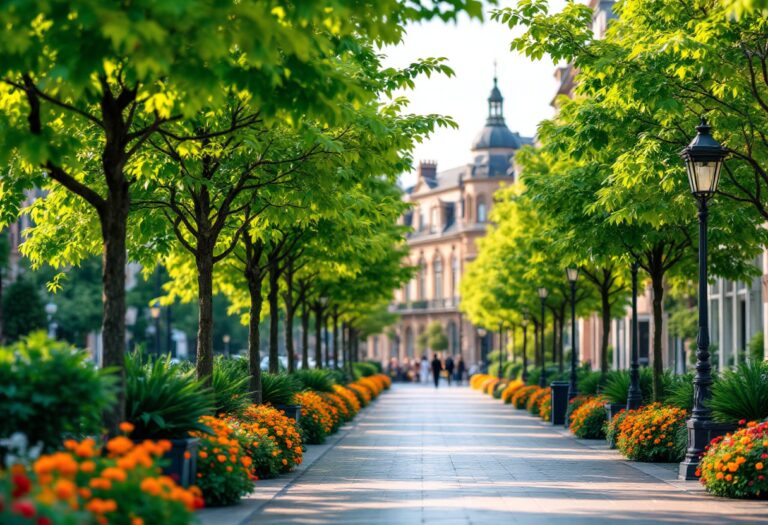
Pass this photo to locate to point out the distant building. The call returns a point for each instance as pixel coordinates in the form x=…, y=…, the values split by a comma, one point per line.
x=449, y=213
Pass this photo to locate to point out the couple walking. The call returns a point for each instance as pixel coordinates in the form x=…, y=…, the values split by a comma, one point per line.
x=438, y=366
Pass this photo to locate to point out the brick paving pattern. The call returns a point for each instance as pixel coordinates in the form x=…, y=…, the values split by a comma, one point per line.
x=456, y=456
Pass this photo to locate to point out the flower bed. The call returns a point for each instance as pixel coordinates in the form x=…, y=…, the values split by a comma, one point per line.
x=648, y=433
x=316, y=420
x=588, y=420
x=545, y=407
x=533, y=405
x=477, y=380
x=520, y=397
x=282, y=431
x=734, y=466
x=510, y=389
x=349, y=398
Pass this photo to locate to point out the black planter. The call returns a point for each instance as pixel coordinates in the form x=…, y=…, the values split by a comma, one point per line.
x=181, y=461
x=292, y=411
x=700, y=434
x=559, y=402
x=611, y=409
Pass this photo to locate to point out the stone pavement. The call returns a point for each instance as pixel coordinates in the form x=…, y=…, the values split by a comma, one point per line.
x=457, y=456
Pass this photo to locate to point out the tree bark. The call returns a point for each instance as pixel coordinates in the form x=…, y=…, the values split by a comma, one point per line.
x=536, y=347
x=335, y=338
x=657, y=284
x=305, y=312
x=254, y=275
x=274, y=315
x=289, y=314
x=114, y=221
x=326, y=339
x=605, y=314
x=318, y=336
x=344, y=349
x=205, y=316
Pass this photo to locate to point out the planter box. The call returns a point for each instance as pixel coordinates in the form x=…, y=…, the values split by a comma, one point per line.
x=611, y=409
x=181, y=461
x=559, y=402
x=292, y=411
x=699, y=436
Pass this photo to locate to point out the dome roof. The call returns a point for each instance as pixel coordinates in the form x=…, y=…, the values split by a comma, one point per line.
x=496, y=136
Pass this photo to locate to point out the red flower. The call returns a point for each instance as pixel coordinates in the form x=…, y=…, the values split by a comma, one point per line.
x=44, y=520
x=742, y=421
x=24, y=508
x=21, y=485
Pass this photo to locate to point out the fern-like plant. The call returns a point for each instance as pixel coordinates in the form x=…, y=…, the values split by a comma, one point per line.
x=278, y=389
x=313, y=379
x=163, y=401
x=741, y=393
x=616, y=388
x=230, y=387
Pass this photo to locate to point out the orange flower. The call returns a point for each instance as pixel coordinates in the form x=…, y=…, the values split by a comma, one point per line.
x=151, y=486
x=137, y=521
x=119, y=445
x=87, y=466
x=114, y=473
x=101, y=506
x=221, y=458
x=126, y=427
x=100, y=484
x=759, y=465
x=65, y=489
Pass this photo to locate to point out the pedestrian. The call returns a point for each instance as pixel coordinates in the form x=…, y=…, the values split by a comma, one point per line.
x=437, y=367
x=416, y=371
x=461, y=369
x=424, y=369
x=449, y=368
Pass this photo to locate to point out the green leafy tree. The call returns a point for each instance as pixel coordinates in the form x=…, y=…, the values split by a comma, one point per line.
x=24, y=309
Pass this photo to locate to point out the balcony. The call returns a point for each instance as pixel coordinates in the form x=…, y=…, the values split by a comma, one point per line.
x=446, y=304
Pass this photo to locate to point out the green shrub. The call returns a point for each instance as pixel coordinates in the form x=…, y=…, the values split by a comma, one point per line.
x=313, y=379
x=741, y=393
x=553, y=374
x=591, y=383
x=377, y=365
x=756, y=351
x=23, y=310
x=588, y=421
x=163, y=401
x=499, y=389
x=49, y=391
x=512, y=370
x=680, y=392
x=278, y=389
x=616, y=386
x=364, y=369
x=340, y=376
x=230, y=387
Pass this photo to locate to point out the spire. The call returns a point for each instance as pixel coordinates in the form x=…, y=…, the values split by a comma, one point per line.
x=495, y=103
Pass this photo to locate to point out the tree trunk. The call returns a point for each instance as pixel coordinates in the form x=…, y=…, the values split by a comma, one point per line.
x=326, y=340
x=657, y=284
x=536, y=347
x=253, y=276
x=344, y=349
x=289, y=313
x=114, y=228
x=274, y=315
x=318, y=336
x=555, y=325
x=305, y=336
x=335, y=338
x=605, y=313
x=205, y=318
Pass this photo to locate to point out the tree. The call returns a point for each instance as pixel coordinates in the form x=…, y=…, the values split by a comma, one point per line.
x=24, y=309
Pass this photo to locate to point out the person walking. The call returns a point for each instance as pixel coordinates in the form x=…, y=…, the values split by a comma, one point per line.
x=437, y=367
x=424, y=369
x=449, y=366
x=461, y=369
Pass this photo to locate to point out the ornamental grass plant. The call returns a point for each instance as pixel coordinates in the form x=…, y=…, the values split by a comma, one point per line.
x=314, y=379
x=734, y=466
x=741, y=393
x=278, y=389
x=649, y=433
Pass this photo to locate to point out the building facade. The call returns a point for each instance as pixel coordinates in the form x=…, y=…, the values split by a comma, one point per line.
x=448, y=214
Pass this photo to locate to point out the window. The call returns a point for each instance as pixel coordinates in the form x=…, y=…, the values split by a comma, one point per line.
x=438, y=268
x=453, y=337
x=422, y=220
x=409, y=347
x=454, y=276
x=462, y=205
x=434, y=224
x=482, y=215
x=422, y=284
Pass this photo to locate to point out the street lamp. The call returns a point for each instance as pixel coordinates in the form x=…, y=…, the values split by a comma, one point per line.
x=481, y=333
x=525, y=344
x=703, y=158
x=573, y=275
x=154, y=311
x=226, y=338
x=635, y=394
x=50, y=310
x=543, y=293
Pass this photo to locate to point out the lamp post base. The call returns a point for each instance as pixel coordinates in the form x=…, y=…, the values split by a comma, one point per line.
x=700, y=434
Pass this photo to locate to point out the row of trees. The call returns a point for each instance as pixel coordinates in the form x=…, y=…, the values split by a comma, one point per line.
x=605, y=187
x=249, y=147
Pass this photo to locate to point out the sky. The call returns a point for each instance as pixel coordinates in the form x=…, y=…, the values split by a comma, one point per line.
x=471, y=48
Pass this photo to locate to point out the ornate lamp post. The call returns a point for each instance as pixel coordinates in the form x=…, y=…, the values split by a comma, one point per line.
x=154, y=311
x=573, y=275
x=703, y=160
x=226, y=339
x=543, y=293
x=635, y=394
x=501, y=349
x=525, y=344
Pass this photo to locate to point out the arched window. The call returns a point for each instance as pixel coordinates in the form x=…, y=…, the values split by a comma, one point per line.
x=454, y=276
x=438, y=268
x=453, y=337
x=482, y=212
x=422, y=219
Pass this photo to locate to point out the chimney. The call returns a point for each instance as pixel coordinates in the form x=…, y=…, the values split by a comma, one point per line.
x=428, y=169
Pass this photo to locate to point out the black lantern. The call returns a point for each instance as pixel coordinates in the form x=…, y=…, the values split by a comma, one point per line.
x=703, y=160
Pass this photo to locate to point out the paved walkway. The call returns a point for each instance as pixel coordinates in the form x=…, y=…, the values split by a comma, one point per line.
x=457, y=456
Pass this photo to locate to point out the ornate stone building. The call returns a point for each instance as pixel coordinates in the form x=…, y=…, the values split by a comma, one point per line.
x=449, y=213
